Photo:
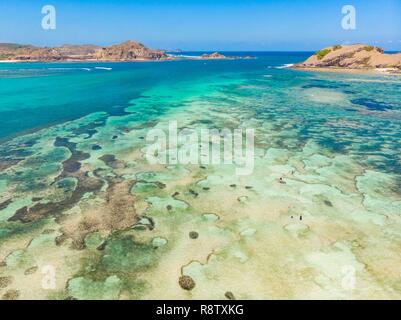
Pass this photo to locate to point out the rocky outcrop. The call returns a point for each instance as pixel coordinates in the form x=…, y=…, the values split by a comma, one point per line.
x=357, y=56
x=214, y=55
x=26, y=52
x=127, y=51
x=219, y=56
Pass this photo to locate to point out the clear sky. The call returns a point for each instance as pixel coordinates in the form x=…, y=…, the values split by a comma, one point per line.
x=205, y=24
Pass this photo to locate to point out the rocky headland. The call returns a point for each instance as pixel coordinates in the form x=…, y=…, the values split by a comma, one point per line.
x=357, y=58
x=127, y=51
x=214, y=55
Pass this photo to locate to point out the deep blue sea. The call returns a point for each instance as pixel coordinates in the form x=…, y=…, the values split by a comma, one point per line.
x=34, y=95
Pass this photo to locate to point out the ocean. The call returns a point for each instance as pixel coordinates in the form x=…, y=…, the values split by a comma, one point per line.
x=318, y=216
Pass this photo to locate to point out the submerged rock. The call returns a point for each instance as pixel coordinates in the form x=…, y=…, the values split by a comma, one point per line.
x=186, y=282
x=96, y=147
x=229, y=295
x=11, y=295
x=31, y=270
x=193, y=235
x=5, y=281
x=111, y=161
x=5, y=204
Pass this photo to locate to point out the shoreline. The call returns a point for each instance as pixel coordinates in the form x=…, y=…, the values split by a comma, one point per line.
x=116, y=61
x=382, y=72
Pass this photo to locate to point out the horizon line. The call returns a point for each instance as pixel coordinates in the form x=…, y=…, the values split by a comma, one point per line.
x=177, y=50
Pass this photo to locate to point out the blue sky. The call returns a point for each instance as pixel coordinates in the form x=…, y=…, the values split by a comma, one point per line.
x=204, y=25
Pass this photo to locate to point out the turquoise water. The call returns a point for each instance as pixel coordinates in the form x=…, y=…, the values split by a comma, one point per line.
x=38, y=95
x=77, y=193
x=68, y=91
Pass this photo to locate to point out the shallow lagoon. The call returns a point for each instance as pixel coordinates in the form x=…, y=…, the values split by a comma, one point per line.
x=78, y=195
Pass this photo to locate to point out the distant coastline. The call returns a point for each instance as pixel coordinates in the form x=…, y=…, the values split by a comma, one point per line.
x=124, y=52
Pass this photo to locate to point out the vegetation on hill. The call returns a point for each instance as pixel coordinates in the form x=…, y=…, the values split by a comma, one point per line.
x=322, y=53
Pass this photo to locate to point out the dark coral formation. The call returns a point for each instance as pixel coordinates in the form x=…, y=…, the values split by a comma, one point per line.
x=186, y=282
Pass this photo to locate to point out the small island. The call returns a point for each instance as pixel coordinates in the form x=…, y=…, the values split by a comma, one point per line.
x=214, y=55
x=219, y=56
x=356, y=58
